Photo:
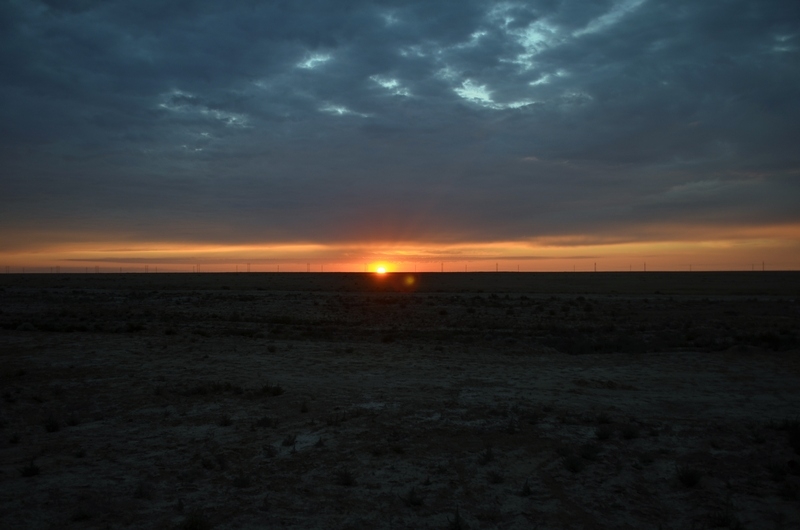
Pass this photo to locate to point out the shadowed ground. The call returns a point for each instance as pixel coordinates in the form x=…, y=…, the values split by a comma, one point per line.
x=355, y=401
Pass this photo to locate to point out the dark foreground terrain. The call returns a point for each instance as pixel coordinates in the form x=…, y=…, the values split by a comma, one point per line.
x=618, y=400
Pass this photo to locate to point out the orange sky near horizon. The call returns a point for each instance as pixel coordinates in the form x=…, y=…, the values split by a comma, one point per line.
x=750, y=251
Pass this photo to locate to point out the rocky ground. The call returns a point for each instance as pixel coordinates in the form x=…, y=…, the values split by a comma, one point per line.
x=168, y=403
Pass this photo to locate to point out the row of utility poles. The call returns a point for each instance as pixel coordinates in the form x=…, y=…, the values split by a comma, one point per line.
x=196, y=268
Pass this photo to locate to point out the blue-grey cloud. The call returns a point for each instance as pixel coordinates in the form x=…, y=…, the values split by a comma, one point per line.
x=355, y=121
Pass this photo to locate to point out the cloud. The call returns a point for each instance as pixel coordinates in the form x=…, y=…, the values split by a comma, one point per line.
x=397, y=120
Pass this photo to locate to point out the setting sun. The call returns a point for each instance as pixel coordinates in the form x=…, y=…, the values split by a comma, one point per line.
x=381, y=270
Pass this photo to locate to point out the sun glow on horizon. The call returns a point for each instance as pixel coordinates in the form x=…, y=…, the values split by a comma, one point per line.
x=776, y=248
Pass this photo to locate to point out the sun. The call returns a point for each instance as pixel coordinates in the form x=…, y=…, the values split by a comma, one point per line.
x=381, y=270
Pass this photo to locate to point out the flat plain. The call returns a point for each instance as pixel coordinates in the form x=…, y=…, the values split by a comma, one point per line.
x=358, y=401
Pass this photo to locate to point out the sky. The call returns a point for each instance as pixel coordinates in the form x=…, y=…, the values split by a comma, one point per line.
x=456, y=135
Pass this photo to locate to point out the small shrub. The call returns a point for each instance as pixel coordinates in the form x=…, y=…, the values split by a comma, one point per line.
x=574, y=464
x=31, y=470
x=319, y=443
x=603, y=418
x=345, y=478
x=688, y=476
x=526, y=490
x=289, y=441
x=80, y=515
x=724, y=519
x=243, y=480
x=336, y=418
x=51, y=424
x=789, y=491
x=494, y=477
x=457, y=523
x=513, y=426
x=486, y=456
x=304, y=407
x=794, y=439
x=603, y=432
x=73, y=420
x=630, y=431
x=195, y=521
x=412, y=498
x=144, y=490
x=785, y=424
x=589, y=451
x=266, y=421
x=271, y=348
x=777, y=471
x=647, y=458
x=272, y=390
x=225, y=421
x=14, y=439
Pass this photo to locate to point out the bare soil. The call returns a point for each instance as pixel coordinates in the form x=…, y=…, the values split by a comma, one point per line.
x=440, y=401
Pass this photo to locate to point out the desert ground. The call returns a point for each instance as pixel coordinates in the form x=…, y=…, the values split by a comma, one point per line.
x=357, y=401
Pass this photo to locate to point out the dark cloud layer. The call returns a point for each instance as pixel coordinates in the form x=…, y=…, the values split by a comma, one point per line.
x=348, y=121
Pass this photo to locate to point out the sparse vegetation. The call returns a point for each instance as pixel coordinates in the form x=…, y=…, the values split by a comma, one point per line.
x=443, y=425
